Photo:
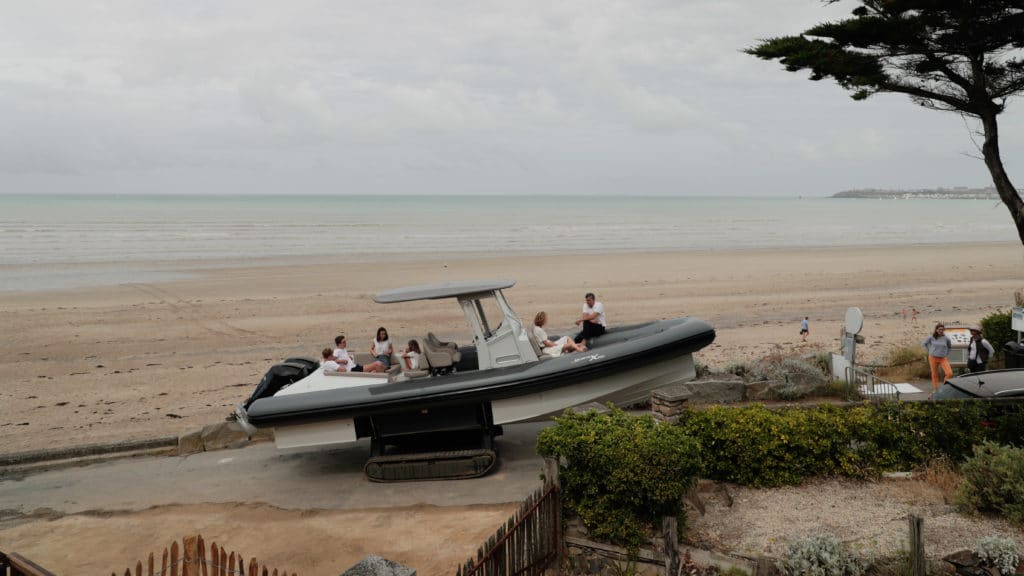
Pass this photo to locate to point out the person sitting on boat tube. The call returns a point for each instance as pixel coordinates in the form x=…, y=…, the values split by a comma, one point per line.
x=592, y=320
x=411, y=355
x=329, y=364
x=552, y=347
x=341, y=356
x=380, y=348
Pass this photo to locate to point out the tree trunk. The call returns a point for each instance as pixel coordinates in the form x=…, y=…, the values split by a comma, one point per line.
x=1008, y=194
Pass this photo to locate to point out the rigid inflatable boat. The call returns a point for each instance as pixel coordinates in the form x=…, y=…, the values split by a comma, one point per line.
x=466, y=391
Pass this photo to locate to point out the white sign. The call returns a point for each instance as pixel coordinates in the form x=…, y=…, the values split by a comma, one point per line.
x=1017, y=319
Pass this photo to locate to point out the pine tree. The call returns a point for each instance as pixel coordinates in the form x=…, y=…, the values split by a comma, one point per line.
x=963, y=56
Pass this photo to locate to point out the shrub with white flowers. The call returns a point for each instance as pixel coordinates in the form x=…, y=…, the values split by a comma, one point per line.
x=999, y=552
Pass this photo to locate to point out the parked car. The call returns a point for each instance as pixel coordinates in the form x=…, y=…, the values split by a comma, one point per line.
x=994, y=384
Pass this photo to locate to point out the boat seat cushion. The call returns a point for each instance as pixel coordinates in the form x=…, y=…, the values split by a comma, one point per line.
x=440, y=354
x=390, y=374
x=537, y=349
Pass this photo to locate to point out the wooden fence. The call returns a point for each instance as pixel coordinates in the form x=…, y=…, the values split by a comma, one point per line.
x=531, y=539
x=17, y=565
x=191, y=560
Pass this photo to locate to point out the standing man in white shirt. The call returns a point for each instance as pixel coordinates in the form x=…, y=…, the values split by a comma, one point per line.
x=592, y=321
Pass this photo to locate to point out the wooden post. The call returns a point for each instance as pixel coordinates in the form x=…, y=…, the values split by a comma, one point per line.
x=189, y=565
x=551, y=474
x=174, y=558
x=670, y=532
x=202, y=558
x=918, y=566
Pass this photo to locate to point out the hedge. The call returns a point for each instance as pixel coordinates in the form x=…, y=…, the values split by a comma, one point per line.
x=756, y=446
x=623, y=473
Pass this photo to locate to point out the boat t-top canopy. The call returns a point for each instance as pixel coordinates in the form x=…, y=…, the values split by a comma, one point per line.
x=499, y=335
x=438, y=291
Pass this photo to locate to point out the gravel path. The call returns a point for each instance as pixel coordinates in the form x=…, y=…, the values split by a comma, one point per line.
x=870, y=517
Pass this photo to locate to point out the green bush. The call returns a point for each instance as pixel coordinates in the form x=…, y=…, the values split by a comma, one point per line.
x=623, y=473
x=994, y=481
x=755, y=446
x=759, y=447
x=926, y=430
x=996, y=329
x=1004, y=421
x=819, y=555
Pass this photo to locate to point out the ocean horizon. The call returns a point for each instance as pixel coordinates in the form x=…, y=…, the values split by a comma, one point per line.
x=44, y=237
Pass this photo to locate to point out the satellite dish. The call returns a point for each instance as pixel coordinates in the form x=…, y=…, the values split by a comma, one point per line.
x=854, y=320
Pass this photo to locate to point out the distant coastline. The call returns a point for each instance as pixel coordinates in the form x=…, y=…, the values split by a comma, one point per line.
x=958, y=193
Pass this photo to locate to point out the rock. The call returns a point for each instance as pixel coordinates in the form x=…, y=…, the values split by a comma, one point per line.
x=591, y=406
x=757, y=391
x=376, y=566
x=715, y=391
x=668, y=403
x=223, y=435
x=191, y=443
x=967, y=564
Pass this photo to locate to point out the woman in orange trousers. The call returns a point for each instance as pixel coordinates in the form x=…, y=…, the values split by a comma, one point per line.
x=938, y=346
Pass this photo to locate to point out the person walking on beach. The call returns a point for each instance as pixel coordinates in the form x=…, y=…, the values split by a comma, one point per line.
x=978, y=352
x=592, y=321
x=938, y=346
x=805, y=328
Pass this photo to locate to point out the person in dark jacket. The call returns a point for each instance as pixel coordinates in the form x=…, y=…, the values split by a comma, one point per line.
x=978, y=352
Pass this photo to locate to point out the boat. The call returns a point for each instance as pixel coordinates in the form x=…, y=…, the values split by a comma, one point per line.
x=466, y=393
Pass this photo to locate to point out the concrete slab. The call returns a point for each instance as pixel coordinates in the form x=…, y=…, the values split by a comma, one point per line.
x=259, y=473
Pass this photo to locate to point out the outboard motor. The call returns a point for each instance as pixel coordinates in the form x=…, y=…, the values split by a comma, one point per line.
x=281, y=375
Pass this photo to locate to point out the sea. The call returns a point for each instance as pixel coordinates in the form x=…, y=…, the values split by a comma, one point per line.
x=60, y=241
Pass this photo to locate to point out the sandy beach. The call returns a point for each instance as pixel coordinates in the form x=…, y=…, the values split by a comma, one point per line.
x=146, y=360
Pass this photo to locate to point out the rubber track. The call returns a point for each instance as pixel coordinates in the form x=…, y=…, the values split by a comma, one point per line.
x=452, y=465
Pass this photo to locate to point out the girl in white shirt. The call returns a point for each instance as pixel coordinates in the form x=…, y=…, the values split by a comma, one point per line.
x=411, y=355
x=381, y=347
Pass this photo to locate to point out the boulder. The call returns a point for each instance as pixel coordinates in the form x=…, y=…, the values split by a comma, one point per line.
x=191, y=443
x=223, y=435
x=376, y=566
x=967, y=563
x=714, y=391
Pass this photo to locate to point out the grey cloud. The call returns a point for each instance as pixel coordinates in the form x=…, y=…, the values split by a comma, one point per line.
x=612, y=96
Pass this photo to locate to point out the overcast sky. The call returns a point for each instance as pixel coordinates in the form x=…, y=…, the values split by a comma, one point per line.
x=629, y=97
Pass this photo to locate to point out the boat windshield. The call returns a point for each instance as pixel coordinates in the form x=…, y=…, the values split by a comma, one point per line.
x=489, y=314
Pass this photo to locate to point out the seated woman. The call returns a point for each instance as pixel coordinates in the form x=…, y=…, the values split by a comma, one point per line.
x=381, y=347
x=411, y=356
x=552, y=347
